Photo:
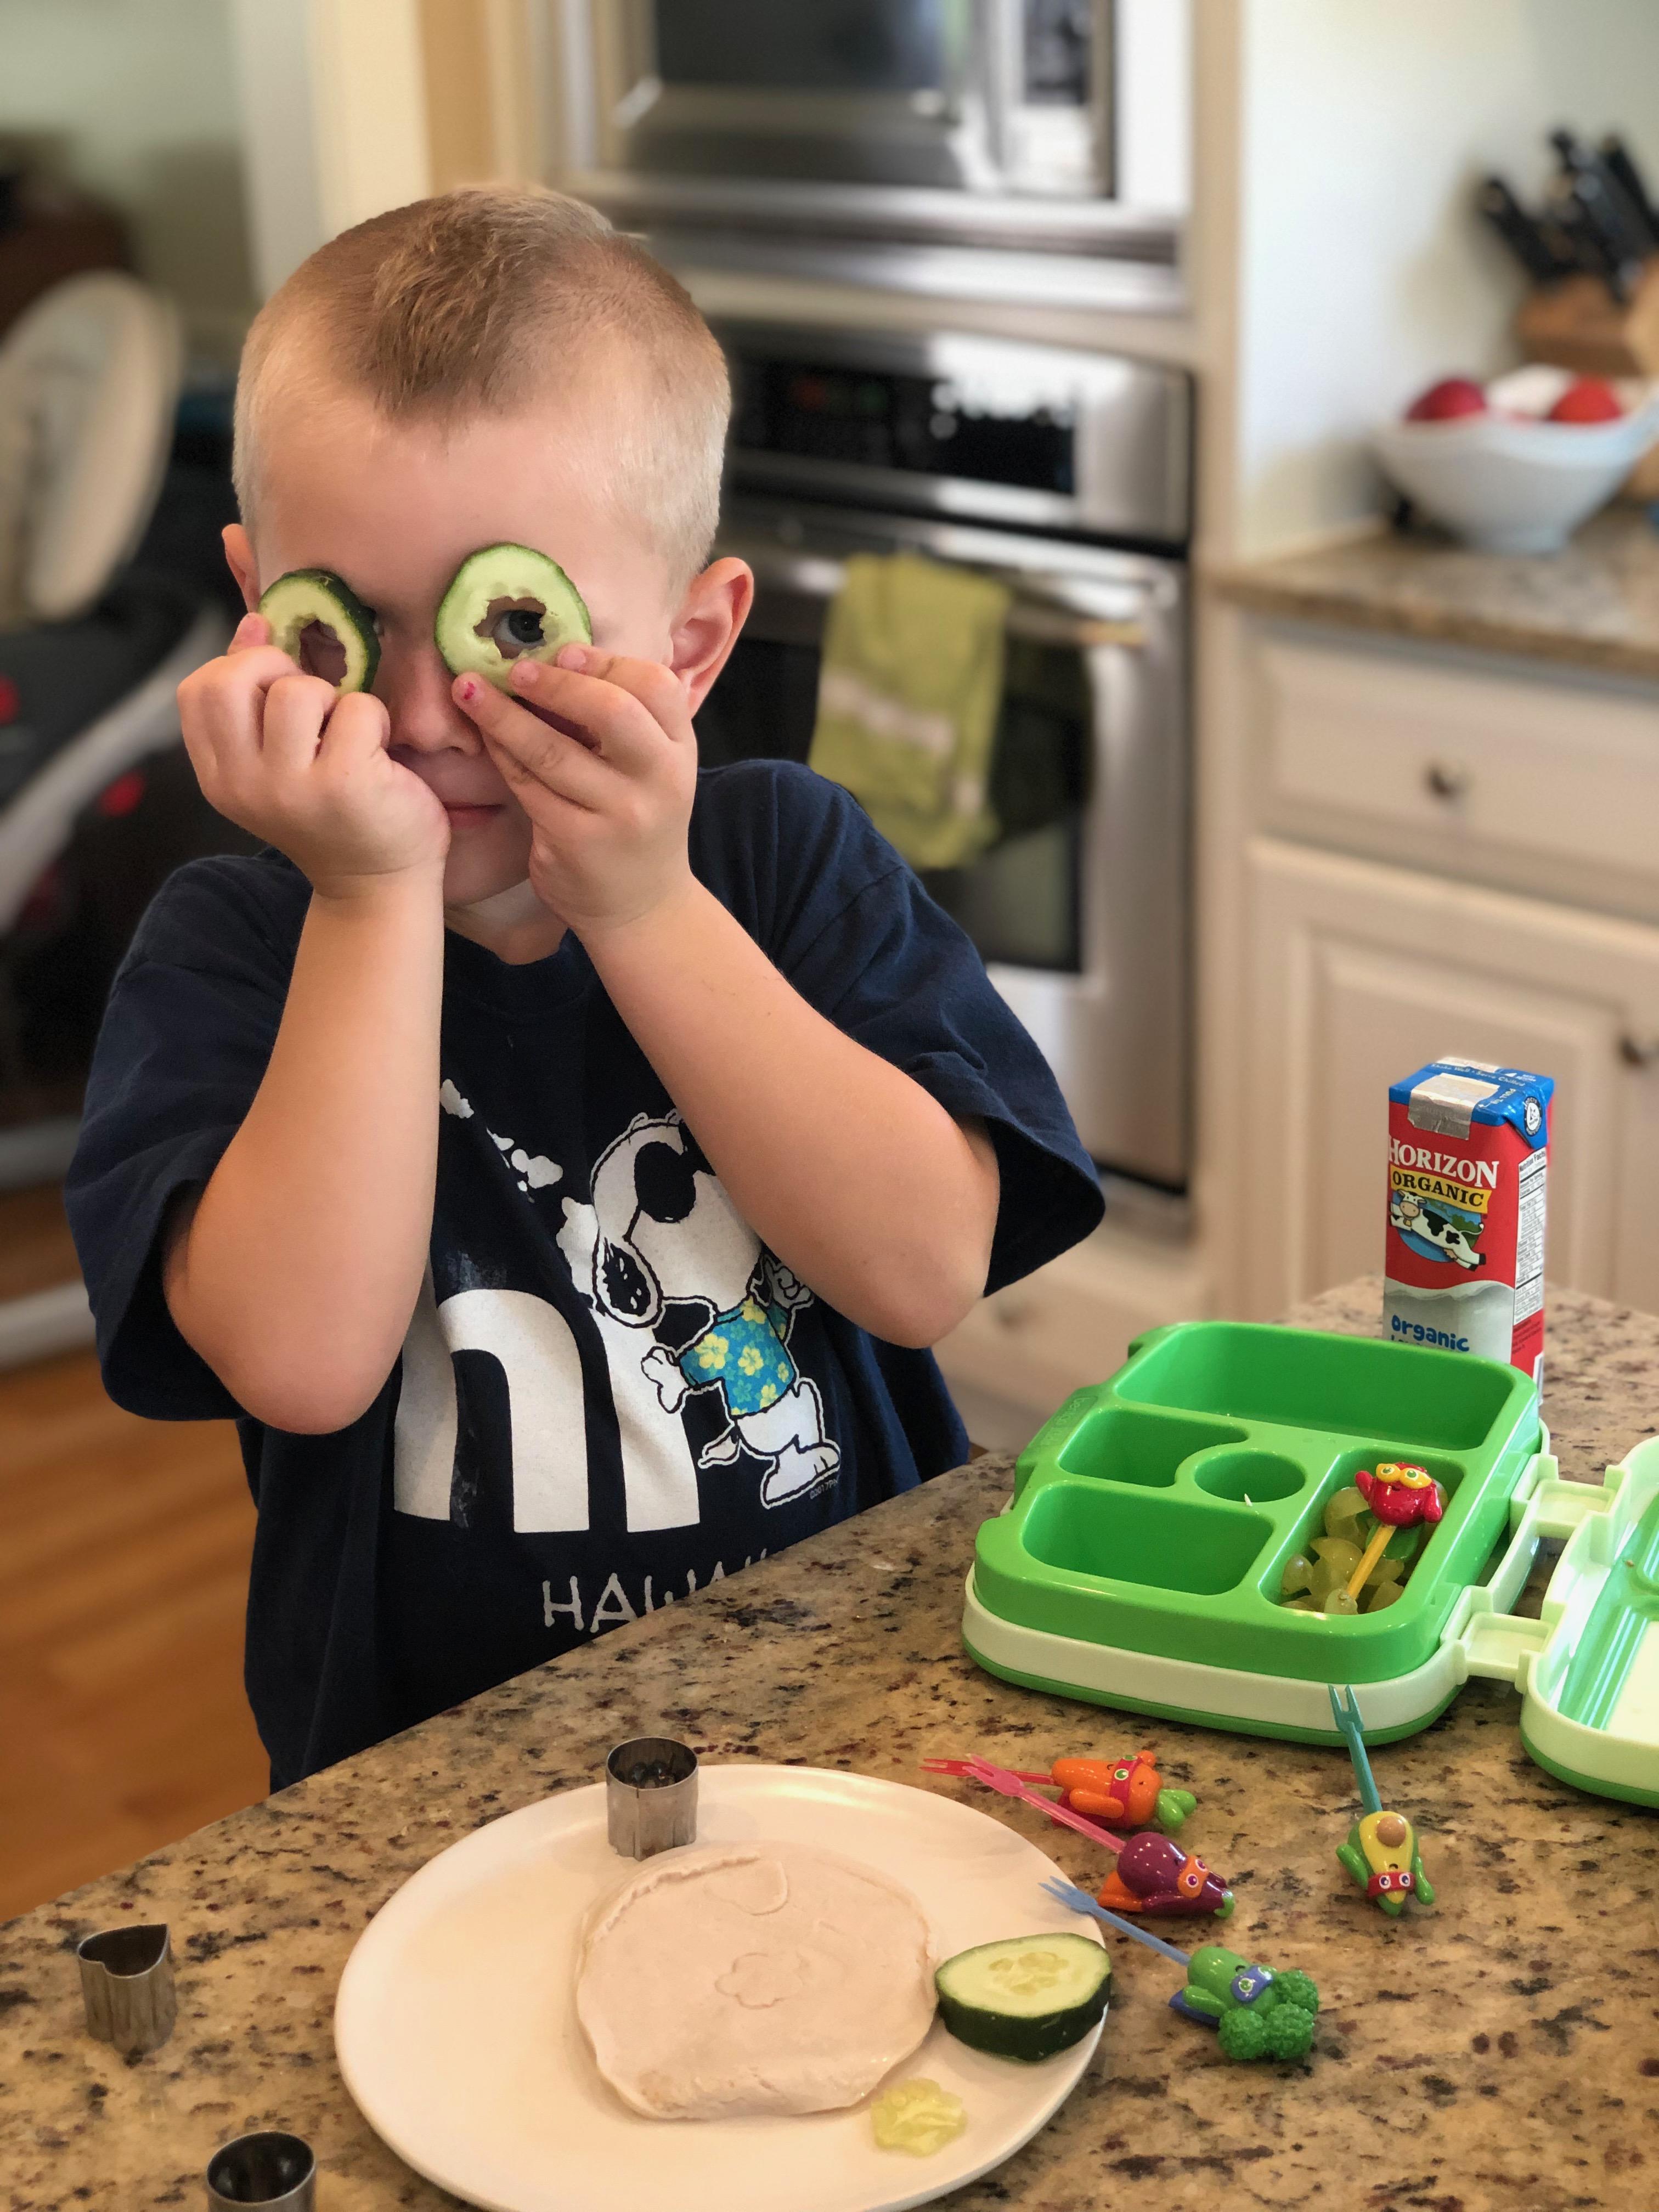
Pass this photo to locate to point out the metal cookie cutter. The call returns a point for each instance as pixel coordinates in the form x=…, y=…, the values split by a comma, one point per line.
x=271, y=2168
x=650, y=1796
x=126, y=1981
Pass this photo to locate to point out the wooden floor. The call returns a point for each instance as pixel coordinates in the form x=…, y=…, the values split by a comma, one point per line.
x=123, y=1558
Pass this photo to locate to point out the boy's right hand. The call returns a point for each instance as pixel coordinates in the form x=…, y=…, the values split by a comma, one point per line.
x=279, y=754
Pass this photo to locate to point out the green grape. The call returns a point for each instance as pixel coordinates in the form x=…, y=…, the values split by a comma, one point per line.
x=1338, y=1602
x=1337, y=1552
x=1342, y=1512
x=1380, y=1594
x=1299, y=1573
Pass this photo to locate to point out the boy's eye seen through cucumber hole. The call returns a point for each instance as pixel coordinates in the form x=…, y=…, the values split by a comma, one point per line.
x=512, y=626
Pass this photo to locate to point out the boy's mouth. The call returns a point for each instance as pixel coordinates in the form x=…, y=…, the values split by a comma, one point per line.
x=465, y=814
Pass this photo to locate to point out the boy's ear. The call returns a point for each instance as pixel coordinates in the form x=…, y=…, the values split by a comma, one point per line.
x=238, y=551
x=713, y=610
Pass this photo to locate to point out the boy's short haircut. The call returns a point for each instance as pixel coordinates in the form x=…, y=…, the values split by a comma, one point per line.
x=482, y=299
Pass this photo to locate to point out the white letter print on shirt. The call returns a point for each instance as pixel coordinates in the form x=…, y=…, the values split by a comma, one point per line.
x=662, y=1231
x=538, y=1354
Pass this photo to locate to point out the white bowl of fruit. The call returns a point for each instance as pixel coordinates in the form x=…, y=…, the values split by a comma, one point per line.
x=1515, y=465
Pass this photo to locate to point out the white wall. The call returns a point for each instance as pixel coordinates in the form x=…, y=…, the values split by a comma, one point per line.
x=140, y=99
x=1363, y=273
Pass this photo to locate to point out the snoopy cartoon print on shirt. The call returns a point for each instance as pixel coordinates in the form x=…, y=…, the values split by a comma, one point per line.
x=660, y=1236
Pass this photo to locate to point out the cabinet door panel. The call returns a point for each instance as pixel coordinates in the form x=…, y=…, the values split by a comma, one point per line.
x=1536, y=785
x=1360, y=974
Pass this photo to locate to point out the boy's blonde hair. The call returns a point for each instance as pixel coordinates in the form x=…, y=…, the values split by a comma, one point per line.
x=481, y=300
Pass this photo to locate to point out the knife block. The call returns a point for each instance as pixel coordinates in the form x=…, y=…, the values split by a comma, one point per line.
x=1578, y=324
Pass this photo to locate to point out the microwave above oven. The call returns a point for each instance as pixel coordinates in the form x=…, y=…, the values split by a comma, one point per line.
x=1052, y=125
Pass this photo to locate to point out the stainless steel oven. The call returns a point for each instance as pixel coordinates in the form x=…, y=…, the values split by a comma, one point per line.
x=1056, y=126
x=1065, y=475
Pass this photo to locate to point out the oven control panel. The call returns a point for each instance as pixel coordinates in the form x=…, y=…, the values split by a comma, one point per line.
x=876, y=418
x=983, y=428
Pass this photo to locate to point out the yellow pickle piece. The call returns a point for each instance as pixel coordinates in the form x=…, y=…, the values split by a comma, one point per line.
x=917, y=2116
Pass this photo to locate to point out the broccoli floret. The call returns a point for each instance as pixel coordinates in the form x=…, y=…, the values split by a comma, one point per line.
x=1298, y=1990
x=1290, y=2033
x=1243, y=2034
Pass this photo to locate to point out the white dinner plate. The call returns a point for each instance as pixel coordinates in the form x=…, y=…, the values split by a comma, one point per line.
x=457, y=2032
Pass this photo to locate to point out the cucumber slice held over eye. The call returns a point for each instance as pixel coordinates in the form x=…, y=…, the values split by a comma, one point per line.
x=321, y=622
x=505, y=603
x=1026, y=1997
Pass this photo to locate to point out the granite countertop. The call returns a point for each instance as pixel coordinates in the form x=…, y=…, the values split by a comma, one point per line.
x=1502, y=2050
x=1593, y=605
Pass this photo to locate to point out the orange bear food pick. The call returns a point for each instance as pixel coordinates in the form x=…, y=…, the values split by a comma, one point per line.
x=1123, y=1793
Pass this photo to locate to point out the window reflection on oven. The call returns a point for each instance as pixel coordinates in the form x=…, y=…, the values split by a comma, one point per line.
x=1020, y=901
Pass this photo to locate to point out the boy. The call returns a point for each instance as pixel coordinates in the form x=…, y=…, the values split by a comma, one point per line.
x=556, y=1161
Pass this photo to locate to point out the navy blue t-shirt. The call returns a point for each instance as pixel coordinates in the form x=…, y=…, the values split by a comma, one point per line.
x=611, y=1393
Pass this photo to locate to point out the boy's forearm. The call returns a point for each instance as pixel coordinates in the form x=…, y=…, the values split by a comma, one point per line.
x=295, y=1274
x=858, y=1179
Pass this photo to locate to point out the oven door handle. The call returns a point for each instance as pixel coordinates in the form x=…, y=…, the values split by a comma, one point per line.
x=1040, y=620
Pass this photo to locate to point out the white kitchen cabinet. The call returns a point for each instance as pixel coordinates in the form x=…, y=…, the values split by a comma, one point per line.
x=1358, y=973
x=1520, y=777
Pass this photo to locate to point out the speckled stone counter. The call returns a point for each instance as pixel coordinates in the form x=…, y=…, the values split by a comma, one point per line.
x=1502, y=2051
x=1593, y=605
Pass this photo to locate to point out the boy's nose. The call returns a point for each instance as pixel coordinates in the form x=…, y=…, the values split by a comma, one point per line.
x=415, y=682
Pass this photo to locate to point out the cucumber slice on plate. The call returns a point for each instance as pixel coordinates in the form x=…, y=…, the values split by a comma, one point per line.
x=321, y=622
x=1026, y=1997
x=505, y=602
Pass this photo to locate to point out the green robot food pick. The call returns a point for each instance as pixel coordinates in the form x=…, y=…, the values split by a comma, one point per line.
x=1255, y=2013
x=1382, y=1852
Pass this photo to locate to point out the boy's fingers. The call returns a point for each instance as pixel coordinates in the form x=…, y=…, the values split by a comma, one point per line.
x=629, y=723
x=221, y=704
x=658, y=689
x=531, y=754
x=252, y=630
x=358, y=726
x=296, y=707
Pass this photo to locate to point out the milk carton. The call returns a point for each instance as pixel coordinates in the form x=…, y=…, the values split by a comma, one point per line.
x=1468, y=1154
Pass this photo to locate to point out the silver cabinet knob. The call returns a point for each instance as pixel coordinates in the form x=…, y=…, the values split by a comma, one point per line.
x=1638, y=1052
x=1442, y=781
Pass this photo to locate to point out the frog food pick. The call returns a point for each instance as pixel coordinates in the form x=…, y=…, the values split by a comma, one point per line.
x=1401, y=1496
x=507, y=603
x=319, y=621
x=1382, y=1852
x=1354, y=1568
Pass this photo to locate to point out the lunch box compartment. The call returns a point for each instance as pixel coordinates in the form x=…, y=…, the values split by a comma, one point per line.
x=1250, y=1478
x=1137, y=1537
x=1119, y=1444
x=1296, y=1379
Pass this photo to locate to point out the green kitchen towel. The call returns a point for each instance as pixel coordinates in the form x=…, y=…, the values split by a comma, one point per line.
x=909, y=697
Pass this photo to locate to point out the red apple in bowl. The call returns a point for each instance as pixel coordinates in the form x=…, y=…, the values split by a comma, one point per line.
x=1590, y=400
x=1454, y=396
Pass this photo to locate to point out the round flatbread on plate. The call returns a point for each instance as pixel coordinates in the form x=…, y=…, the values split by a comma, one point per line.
x=457, y=2031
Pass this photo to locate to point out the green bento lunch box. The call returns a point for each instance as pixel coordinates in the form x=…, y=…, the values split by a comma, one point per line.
x=1140, y=1561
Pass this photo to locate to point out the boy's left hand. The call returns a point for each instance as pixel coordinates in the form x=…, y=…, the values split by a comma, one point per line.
x=607, y=784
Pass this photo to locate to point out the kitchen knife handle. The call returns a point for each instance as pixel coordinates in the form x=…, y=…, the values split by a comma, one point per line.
x=1621, y=165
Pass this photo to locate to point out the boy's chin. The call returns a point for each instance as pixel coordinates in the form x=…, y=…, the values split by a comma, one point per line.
x=474, y=872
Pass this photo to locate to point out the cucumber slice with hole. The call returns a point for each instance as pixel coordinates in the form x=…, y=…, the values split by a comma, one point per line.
x=321, y=622
x=1026, y=1997
x=507, y=602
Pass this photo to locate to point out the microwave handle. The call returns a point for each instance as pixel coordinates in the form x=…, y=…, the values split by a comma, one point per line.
x=816, y=576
